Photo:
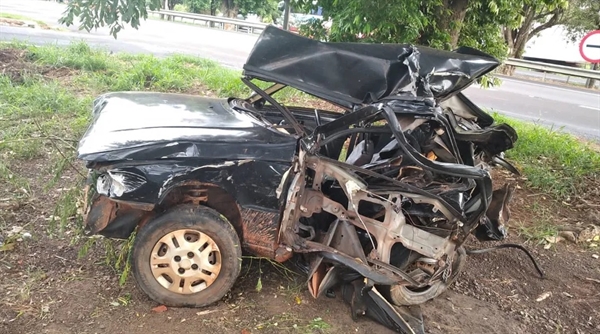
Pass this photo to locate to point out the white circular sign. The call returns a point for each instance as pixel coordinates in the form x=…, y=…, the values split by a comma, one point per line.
x=589, y=48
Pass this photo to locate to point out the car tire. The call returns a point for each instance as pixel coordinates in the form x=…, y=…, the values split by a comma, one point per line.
x=190, y=256
x=403, y=296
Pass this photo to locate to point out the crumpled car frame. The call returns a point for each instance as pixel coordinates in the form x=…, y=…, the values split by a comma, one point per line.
x=378, y=200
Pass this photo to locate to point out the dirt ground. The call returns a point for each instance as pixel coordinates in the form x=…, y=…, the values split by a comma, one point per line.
x=46, y=287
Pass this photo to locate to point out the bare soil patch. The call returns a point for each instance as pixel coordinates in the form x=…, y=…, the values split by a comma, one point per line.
x=47, y=288
x=13, y=63
x=23, y=23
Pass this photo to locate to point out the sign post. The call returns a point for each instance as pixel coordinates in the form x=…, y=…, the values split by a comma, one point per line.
x=589, y=49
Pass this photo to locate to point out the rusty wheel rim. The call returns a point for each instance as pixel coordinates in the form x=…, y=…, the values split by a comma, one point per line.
x=185, y=261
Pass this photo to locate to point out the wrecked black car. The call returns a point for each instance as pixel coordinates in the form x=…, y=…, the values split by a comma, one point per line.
x=377, y=199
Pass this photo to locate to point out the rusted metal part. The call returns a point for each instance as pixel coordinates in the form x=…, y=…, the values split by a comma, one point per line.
x=104, y=211
x=101, y=212
x=378, y=276
x=189, y=191
x=283, y=253
x=291, y=213
x=493, y=226
x=342, y=237
x=391, y=230
x=136, y=205
x=260, y=231
x=208, y=194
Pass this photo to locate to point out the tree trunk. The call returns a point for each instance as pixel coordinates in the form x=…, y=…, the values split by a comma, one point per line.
x=451, y=15
x=213, y=12
x=229, y=8
x=590, y=83
x=286, y=15
x=521, y=35
x=167, y=8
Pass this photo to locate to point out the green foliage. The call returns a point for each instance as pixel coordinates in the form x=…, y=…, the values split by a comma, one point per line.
x=582, y=17
x=531, y=18
x=97, y=13
x=314, y=29
x=374, y=21
x=197, y=6
x=181, y=8
x=554, y=162
x=263, y=8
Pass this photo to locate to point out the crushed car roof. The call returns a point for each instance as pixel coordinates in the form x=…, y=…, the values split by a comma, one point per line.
x=351, y=74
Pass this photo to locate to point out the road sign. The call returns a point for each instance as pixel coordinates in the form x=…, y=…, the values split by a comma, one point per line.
x=589, y=48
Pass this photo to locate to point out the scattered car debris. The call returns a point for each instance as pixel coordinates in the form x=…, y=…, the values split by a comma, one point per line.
x=159, y=309
x=376, y=201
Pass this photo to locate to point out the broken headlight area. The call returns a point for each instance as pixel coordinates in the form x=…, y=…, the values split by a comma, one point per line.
x=116, y=183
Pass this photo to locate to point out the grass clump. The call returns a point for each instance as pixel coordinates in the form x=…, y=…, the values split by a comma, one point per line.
x=77, y=55
x=555, y=162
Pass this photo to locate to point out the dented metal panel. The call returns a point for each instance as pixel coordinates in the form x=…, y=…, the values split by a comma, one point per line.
x=260, y=232
x=352, y=74
x=146, y=126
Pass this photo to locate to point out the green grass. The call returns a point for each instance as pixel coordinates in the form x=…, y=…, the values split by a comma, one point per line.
x=15, y=17
x=553, y=161
x=544, y=225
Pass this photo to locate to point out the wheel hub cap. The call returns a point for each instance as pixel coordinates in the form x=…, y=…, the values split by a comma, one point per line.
x=185, y=261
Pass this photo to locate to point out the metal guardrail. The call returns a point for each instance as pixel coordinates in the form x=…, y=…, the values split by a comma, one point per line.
x=250, y=27
x=551, y=68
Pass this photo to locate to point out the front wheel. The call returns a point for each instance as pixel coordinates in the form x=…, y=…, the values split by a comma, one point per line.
x=189, y=256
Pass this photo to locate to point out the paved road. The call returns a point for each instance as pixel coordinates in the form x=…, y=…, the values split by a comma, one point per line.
x=576, y=110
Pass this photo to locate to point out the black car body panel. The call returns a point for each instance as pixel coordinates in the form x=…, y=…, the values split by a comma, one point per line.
x=147, y=126
x=351, y=74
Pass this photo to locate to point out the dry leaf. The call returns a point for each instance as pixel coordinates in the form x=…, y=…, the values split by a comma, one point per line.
x=205, y=312
x=543, y=296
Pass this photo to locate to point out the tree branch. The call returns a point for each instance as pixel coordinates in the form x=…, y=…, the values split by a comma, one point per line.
x=552, y=22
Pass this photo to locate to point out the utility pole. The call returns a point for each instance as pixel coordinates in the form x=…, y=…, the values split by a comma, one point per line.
x=286, y=15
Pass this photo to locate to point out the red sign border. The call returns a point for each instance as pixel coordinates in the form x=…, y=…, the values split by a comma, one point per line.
x=593, y=61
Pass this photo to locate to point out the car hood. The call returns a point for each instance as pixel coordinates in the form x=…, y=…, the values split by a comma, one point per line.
x=147, y=125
